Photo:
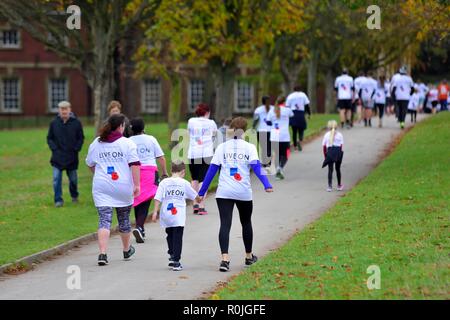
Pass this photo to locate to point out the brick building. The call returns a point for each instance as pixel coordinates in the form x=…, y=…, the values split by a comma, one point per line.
x=33, y=80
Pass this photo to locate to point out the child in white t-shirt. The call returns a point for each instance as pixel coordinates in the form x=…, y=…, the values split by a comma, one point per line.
x=171, y=197
x=332, y=143
x=414, y=104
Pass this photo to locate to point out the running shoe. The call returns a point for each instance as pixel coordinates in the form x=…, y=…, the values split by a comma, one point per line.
x=75, y=200
x=171, y=262
x=252, y=260
x=59, y=204
x=202, y=212
x=127, y=254
x=102, y=259
x=340, y=187
x=224, y=266
x=196, y=208
x=329, y=189
x=278, y=175
x=402, y=125
x=281, y=174
x=138, y=234
x=177, y=266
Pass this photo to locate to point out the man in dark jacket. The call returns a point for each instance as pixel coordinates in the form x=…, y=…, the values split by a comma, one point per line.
x=65, y=139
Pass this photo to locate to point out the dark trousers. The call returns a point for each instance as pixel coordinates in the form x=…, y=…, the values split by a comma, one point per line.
x=263, y=138
x=57, y=183
x=175, y=242
x=297, y=132
x=141, y=213
x=413, y=115
x=402, y=109
x=245, y=209
x=380, y=108
x=338, y=172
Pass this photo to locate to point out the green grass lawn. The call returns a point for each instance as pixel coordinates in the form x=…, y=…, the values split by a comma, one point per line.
x=29, y=222
x=396, y=218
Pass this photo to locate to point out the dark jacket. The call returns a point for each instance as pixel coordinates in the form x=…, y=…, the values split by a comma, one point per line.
x=65, y=140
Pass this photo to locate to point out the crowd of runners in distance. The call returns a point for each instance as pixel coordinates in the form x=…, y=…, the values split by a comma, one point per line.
x=363, y=96
x=129, y=165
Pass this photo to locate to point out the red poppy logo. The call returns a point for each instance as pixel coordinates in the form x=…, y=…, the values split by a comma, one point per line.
x=237, y=176
x=114, y=176
x=174, y=211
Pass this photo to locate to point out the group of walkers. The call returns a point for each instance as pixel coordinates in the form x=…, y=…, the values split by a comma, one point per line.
x=129, y=166
x=364, y=95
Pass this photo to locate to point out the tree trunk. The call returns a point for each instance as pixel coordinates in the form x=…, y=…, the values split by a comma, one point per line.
x=224, y=77
x=290, y=71
x=312, y=79
x=174, y=105
x=330, y=105
x=103, y=94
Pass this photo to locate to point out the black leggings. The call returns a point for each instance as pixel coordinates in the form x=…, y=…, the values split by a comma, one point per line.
x=380, y=108
x=141, y=213
x=338, y=172
x=245, y=209
x=297, y=131
x=283, y=148
x=413, y=115
x=175, y=242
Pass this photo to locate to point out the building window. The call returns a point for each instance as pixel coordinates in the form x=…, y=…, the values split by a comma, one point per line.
x=10, y=94
x=9, y=39
x=196, y=93
x=57, y=91
x=151, y=96
x=244, y=96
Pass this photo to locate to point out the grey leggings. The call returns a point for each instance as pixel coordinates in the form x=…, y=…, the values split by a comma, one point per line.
x=123, y=216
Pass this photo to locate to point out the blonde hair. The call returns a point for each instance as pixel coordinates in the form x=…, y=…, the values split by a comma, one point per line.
x=332, y=125
x=280, y=100
x=64, y=104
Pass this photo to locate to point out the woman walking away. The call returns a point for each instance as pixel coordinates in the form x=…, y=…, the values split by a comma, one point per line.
x=279, y=134
x=414, y=104
x=234, y=158
x=298, y=102
x=149, y=151
x=263, y=127
x=380, y=99
x=202, y=131
x=332, y=143
x=115, y=163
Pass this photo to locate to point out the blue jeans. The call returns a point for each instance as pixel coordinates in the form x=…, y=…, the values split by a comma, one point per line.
x=443, y=105
x=57, y=183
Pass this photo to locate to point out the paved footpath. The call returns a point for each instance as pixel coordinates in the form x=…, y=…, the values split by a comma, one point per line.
x=297, y=201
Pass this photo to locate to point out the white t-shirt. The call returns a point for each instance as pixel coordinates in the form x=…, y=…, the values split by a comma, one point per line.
x=172, y=193
x=368, y=87
x=344, y=85
x=234, y=156
x=358, y=83
x=414, y=101
x=112, y=185
x=297, y=101
x=423, y=89
x=337, y=142
x=403, y=85
x=261, y=114
x=387, y=89
x=433, y=95
x=380, y=94
x=148, y=149
x=201, y=132
x=280, y=126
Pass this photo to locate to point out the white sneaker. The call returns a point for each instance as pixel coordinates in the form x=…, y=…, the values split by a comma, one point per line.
x=340, y=188
x=329, y=189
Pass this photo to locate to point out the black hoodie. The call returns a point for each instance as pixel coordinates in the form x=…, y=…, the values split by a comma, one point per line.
x=65, y=140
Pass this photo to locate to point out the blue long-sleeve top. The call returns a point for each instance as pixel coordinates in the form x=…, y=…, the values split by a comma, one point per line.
x=213, y=168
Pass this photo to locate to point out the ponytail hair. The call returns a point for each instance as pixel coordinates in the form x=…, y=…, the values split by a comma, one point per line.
x=332, y=125
x=280, y=101
x=111, y=124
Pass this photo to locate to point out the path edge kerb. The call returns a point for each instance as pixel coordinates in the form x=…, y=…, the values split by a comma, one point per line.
x=26, y=263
